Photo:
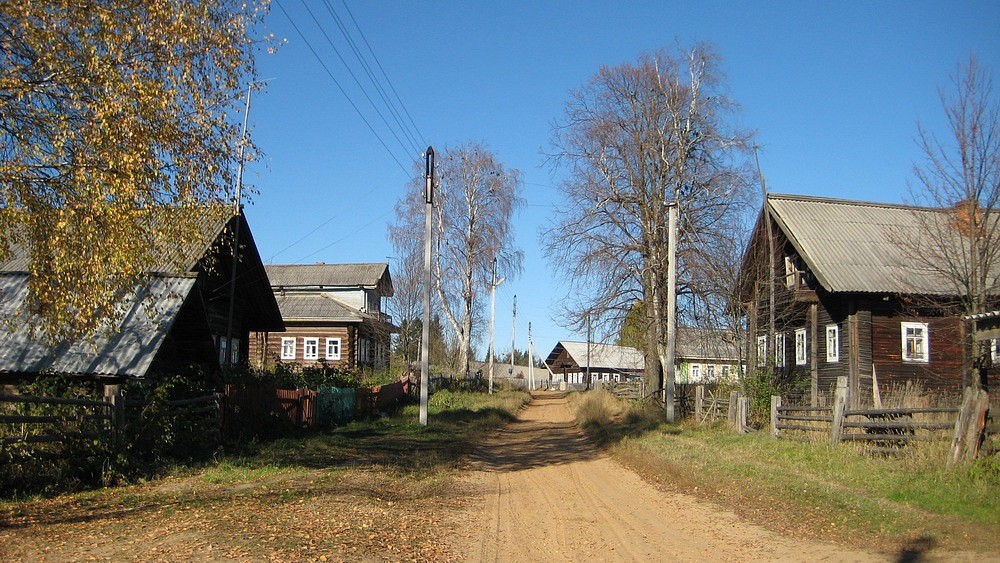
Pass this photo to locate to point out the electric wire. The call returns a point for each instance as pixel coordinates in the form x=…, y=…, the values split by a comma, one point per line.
x=364, y=91
x=414, y=143
x=340, y=87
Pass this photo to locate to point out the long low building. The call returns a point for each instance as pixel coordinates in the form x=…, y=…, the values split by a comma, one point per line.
x=703, y=355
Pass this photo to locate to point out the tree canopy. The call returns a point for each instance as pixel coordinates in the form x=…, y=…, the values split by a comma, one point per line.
x=108, y=110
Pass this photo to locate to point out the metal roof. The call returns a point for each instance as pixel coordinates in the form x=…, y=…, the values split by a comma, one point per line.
x=301, y=306
x=693, y=344
x=371, y=275
x=855, y=246
x=127, y=350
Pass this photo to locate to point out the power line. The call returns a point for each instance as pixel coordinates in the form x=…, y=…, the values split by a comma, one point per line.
x=364, y=92
x=414, y=142
x=384, y=75
x=341, y=88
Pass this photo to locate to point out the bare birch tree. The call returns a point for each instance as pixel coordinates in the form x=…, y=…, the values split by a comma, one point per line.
x=960, y=175
x=476, y=199
x=634, y=139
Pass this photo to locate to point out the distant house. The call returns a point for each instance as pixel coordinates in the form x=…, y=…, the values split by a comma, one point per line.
x=176, y=318
x=702, y=355
x=986, y=332
x=333, y=314
x=849, y=299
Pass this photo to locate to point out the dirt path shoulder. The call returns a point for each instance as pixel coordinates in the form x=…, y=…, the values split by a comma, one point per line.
x=549, y=493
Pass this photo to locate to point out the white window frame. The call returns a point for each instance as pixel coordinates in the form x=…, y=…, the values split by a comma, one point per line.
x=695, y=372
x=923, y=355
x=234, y=351
x=310, y=342
x=779, y=350
x=223, y=350
x=832, y=352
x=995, y=350
x=801, y=357
x=762, y=350
x=287, y=348
x=710, y=372
x=333, y=343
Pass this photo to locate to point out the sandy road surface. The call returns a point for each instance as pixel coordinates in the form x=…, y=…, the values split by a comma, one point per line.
x=549, y=495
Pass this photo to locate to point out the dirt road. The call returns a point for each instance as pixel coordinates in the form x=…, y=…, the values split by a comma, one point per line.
x=551, y=495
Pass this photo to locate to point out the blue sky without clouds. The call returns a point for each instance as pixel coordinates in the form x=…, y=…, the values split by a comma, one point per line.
x=833, y=89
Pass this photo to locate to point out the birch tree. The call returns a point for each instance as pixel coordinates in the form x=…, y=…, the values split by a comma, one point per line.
x=108, y=110
x=960, y=175
x=475, y=203
x=634, y=139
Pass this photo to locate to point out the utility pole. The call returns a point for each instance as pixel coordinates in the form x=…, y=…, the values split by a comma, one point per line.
x=425, y=333
x=237, y=211
x=588, y=352
x=513, y=337
x=494, y=283
x=531, y=363
x=668, y=401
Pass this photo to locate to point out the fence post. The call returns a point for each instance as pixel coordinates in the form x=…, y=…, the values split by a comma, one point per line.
x=839, y=404
x=733, y=407
x=775, y=405
x=117, y=419
x=969, y=426
x=743, y=414
x=699, y=399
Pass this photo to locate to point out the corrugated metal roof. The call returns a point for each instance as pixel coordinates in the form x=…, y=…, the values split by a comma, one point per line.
x=854, y=246
x=374, y=275
x=605, y=356
x=300, y=306
x=127, y=351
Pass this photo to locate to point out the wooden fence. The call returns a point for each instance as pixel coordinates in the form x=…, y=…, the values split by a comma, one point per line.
x=886, y=430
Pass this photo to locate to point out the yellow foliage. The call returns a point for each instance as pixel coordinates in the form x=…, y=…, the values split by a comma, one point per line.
x=107, y=111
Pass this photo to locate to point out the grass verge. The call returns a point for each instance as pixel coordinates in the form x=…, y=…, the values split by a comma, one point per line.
x=809, y=489
x=383, y=489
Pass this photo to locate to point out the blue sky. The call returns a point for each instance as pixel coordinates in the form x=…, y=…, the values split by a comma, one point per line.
x=834, y=91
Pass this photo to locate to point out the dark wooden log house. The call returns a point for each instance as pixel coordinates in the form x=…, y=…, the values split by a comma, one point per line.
x=848, y=297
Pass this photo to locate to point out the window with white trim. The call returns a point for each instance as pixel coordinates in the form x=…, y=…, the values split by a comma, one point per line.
x=223, y=350
x=287, y=348
x=800, y=347
x=695, y=372
x=333, y=348
x=710, y=372
x=916, y=347
x=832, y=343
x=234, y=351
x=310, y=348
x=761, y=350
x=995, y=350
x=779, y=350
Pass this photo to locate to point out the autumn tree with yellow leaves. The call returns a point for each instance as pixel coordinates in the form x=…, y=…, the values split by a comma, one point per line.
x=110, y=111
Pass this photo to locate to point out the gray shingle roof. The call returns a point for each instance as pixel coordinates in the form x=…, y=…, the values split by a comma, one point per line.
x=855, y=246
x=300, y=306
x=692, y=344
x=373, y=275
x=128, y=351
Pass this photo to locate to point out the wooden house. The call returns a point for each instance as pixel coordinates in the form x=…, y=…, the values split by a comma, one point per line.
x=178, y=317
x=841, y=285
x=702, y=355
x=333, y=314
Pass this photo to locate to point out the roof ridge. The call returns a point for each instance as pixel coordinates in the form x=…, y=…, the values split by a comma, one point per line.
x=854, y=202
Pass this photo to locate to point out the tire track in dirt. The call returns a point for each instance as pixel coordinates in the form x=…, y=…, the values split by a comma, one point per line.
x=547, y=493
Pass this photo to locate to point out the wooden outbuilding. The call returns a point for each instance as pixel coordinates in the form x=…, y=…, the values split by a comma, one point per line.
x=176, y=318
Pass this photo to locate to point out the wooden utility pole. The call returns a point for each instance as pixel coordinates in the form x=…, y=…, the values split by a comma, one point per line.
x=668, y=400
x=588, y=352
x=531, y=362
x=425, y=333
x=226, y=349
x=494, y=283
x=513, y=337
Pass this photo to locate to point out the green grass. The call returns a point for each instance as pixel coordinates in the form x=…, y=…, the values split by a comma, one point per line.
x=812, y=488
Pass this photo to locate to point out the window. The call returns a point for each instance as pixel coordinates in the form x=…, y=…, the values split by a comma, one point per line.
x=234, y=351
x=695, y=372
x=761, y=350
x=791, y=272
x=800, y=346
x=995, y=350
x=310, y=348
x=832, y=343
x=287, y=348
x=333, y=348
x=223, y=350
x=915, y=344
x=725, y=372
x=779, y=350
x=710, y=372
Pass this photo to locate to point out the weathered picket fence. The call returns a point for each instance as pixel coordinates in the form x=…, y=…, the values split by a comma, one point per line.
x=886, y=430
